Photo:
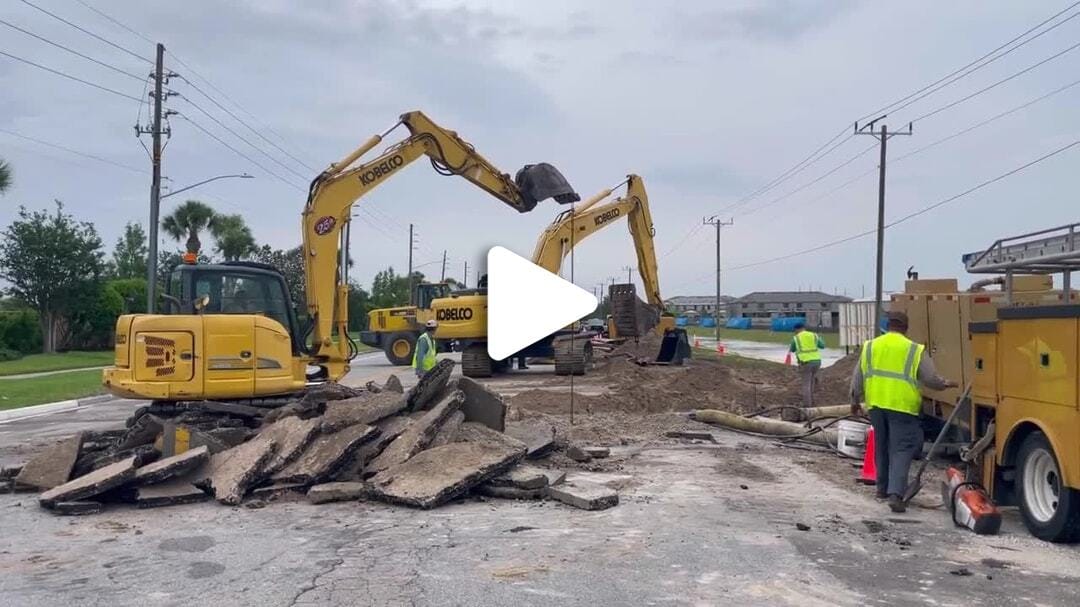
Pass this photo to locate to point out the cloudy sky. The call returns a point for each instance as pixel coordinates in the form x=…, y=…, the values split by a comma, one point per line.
x=708, y=101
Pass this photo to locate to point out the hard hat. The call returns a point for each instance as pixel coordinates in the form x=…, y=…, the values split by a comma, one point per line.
x=431, y=324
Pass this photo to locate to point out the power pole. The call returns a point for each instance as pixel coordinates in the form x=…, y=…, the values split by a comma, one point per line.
x=628, y=269
x=465, y=275
x=410, y=264
x=882, y=136
x=443, y=266
x=719, y=223
x=155, y=131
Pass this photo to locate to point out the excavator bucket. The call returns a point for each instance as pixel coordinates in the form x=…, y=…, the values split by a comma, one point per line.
x=675, y=348
x=539, y=182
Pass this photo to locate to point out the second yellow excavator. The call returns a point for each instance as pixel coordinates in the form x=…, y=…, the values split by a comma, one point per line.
x=572, y=356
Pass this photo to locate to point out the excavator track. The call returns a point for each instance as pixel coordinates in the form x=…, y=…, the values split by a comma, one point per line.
x=573, y=355
x=475, y=361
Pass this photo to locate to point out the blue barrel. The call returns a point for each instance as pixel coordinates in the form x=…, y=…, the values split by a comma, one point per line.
x=742, y=323
x=708, y=322
x=680, y=321
x=786, y=324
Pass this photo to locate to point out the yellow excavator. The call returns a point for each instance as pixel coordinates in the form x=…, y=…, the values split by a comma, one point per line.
x=231, y=331
x=462, y=316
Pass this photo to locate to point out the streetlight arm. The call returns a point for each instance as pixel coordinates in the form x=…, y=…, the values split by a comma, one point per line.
x=205, y=181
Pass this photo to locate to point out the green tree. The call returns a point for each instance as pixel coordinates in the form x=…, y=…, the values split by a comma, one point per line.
x=359, y=306
x=167, y=262
x=131, y=251
x=232, y=237
x=389, y=289
x=5, y=176
x=290, y=262
x=187, y=221
x=51, y=261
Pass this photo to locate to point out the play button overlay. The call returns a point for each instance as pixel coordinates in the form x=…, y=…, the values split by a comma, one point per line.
x=526, y=303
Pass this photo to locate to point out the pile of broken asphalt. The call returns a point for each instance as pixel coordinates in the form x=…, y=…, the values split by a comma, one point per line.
x=439, y=441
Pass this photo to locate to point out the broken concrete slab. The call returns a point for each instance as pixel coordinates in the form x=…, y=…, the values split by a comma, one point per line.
x=292, y=435
x=77, y=508
x=509, y=493
x=393, y=384
x=143, y=431
x=448, y=433
x=327, y=392
x=583, y=494
x=522, y=477
x=417, y=436
x=10, y=472
x=554, y=477
x=272, y=492
x=691, y=435
x=597, y=452
x=431, y=386
x=578, y=454
x=389, y=429
x=88, y=462
x=98, y=481
x=482, y=405
x=233, y=472
x=473, y=432
x=438, y=475
x=178, y=437
x=177, y=465
x=172, y=492
x=326, y=455
x=336, y=492
x=53, y=466
x=539, y=437
x=362, y=410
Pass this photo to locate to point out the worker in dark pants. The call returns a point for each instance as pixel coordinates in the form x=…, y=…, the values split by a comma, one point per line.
x=807, y=346
x=887, y=378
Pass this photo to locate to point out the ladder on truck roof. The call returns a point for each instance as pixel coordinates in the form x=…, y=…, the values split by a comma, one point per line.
x=1044, y=252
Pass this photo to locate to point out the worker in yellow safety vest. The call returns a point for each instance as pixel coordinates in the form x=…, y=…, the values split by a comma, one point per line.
x=807, y=346
x=887, y=378
x=424, y=357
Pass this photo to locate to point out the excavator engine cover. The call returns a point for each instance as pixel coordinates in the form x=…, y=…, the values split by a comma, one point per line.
x=542, y=181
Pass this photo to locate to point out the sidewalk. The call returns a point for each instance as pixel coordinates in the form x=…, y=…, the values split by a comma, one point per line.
x=44, y=373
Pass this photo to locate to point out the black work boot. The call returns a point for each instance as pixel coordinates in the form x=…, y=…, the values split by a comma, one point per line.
x=881, y=494
x=896, y=504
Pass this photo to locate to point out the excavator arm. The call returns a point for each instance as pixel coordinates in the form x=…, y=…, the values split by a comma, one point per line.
x=571, y=227
x=332, y=194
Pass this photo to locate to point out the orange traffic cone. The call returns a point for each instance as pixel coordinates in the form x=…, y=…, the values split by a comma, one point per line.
x=697, y=342
x=868, y=476
x=787, y=359
x=720, y=348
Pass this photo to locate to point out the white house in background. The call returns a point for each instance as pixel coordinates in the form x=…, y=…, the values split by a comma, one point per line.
x=701, y=304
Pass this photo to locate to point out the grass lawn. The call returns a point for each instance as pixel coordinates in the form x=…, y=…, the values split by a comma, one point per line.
x=15, y=393
x=36, y=363
x=832, y=340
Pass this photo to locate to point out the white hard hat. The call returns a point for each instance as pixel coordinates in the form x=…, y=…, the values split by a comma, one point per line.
x=431, y=324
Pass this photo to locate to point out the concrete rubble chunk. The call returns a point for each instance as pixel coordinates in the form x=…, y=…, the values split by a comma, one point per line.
x=691, y=435
x=329, y=391
x=88, y=462
x=522, y=477
x=509, y=493
x=77, y=508
x=583, y=494
x=98, y=481
x=578, y=454
x=326, y=455
x=473, y=432
x=292, y=436
x=361, y=410
x=448, y=432
x=431, y=386
x=438, y=475
x=172, y=492
x=177, y=465
x=554, y=477
x=336, y=492
x=233, y=472
x=597, y=452
x=177, y=438
x=393, y=384
x=53, y=466
x=143, y=431
x=272, y=492
x=539, y=437
x=389, y=429
x=10, y=472
x=373, y=387
x=417, y=436
x=482, y=405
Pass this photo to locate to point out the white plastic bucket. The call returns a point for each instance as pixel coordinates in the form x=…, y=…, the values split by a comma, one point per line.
x=851, y=437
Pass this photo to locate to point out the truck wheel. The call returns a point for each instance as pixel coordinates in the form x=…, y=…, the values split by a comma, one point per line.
x=1051, y=511
x=399, y=348
x=475, y=362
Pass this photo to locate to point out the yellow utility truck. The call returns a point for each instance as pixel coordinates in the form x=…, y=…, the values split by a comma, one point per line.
x=231, y=332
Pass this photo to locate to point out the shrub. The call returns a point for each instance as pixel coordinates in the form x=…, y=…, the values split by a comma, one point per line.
x=6, y=354
x=20, y=331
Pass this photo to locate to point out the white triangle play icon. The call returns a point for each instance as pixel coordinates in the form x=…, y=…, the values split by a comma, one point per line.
x=527, y=303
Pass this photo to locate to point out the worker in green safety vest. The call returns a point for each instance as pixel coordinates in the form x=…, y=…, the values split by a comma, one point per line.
x=424, y=356
x=887, y=378
x=807, y=346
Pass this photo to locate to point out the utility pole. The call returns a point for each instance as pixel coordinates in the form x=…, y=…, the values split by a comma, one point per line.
x=411, y=302
x=882, y=136
x=465, y=276
x=628, y=269
x=155, y=131
x=443, y=266
x=719, y=223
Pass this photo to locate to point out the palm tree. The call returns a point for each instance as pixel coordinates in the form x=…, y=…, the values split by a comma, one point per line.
x=5, y=176
x=188, y=220
x=232, y=236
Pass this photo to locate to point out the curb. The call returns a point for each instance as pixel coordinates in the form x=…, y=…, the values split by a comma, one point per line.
x=62, y=406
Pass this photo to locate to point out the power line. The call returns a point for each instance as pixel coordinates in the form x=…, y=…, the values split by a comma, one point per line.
x=810, y=183
x=72, y=151
x=87, y=32
x=72, y=51
x=242, y=138
x=115, y=22
x=70, y=77
x=241, y=154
